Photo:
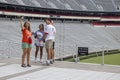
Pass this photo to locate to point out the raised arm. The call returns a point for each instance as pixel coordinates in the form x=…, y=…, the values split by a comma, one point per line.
x=21, y=22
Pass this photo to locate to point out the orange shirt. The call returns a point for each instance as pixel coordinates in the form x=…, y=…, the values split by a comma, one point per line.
x=25, y=35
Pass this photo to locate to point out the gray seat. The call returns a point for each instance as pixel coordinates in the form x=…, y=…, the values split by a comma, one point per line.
x=81, y=5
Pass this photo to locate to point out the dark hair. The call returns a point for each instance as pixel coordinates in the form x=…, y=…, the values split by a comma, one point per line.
x=26, y=26
x=41, y=25
x=48, y=19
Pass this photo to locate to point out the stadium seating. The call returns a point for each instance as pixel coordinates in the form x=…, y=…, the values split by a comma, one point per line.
x=69, y=37
x=89, y=5
x=106, y=4
x=117, y=2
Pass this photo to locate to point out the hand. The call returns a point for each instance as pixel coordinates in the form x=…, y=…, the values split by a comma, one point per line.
x=21, y=18
x=44, y=40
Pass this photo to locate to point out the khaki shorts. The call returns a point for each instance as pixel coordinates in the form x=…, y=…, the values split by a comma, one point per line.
x=49, y=44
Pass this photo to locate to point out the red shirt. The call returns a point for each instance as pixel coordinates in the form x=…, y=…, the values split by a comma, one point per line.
x=25, y=35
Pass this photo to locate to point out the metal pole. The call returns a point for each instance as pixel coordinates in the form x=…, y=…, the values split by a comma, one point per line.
x=60, y=43
x=63, y=29
x=59, y=40
x=103, y=56
x=9, y=54
x=76, y=53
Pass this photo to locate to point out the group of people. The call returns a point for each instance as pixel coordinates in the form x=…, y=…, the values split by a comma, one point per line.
x=45, y=35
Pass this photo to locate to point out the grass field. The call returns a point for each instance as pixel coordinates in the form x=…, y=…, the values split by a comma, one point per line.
x=112, y=59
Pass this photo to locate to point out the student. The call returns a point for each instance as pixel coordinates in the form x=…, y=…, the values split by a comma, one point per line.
x=39, y=43
x=26, y=42
x=54, y=33
x=48, y=40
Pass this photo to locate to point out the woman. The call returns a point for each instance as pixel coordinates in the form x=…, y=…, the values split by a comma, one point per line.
x=39, y=42
x=26, y=42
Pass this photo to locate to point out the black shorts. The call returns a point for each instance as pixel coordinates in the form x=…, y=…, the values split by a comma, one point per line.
x=53, y=45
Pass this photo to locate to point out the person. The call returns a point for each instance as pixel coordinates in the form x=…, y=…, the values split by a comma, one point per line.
x=48, y=40
x=53, y=52
x=26, y=42
x=39, y=43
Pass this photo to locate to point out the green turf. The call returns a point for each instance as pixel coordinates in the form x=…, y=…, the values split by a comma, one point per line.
x=113, y=59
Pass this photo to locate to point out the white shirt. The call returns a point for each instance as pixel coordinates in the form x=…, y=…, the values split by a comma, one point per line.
x=49, y=29
x=39, y=35
x=39, y=38
x=54, y=33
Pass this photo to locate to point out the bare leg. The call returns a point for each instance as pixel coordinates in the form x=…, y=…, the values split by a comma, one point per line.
x=53, y=54
x=48, y=49
x=51, y=50
x=24, y=55
x=36, y=52
x=41, y=53
x=48, y=53
x=28, y=56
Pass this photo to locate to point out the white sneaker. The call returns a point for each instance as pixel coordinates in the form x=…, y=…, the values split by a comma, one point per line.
x=40, y=61
x=35, y=60
x=48, y=62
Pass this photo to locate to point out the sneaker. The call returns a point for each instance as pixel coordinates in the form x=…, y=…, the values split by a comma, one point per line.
x=40, y=61
x=48, y=62
x=23, y=65
x=51, y=62
x=28, y=65
x=35, y=60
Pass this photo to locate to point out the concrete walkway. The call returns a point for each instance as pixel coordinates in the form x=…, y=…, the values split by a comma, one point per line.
x=10, y=70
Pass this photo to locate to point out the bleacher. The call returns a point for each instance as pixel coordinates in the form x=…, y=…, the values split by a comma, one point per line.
x=107, y=5
x=83, y=32
x=81, y=5
x=69, y=37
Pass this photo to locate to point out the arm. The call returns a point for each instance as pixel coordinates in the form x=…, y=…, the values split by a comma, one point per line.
x=21, y=23
x=45, y=32
x=54, y=31
x=35, y=36
x=45, y=35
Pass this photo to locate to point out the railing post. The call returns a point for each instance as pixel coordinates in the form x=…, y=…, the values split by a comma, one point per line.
x=103, y=54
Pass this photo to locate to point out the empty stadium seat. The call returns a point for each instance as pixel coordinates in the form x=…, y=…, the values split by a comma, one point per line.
x=81, y=5
x=69, y=37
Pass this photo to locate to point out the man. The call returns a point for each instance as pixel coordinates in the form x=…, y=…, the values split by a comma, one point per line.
x=54, y=33
x=49, y=36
